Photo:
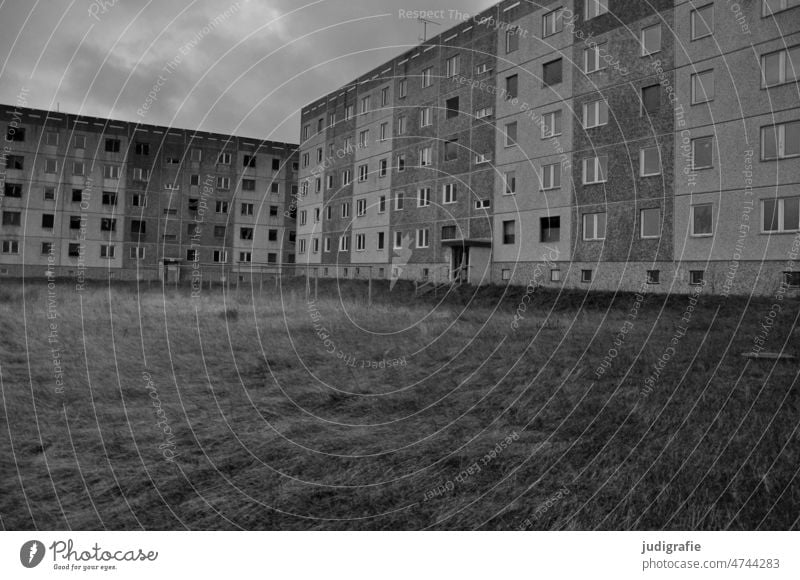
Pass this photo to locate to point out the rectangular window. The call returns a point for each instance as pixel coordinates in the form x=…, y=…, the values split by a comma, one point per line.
x=780, y=141
x=137, y=253
x=703, y=152
x=248, y=184
x=702, y=21
x=702, y=220
x=650, y=223
x=595, y=114
x=453, y=66
x=383, y=167
x=49, y=193
x=398, y=240
x=77, y=195
x=453, y=108
x=382, y=204
x=649, y=161
x=697, y=277
x=424, y=197
x=138, y=200
x=50, y=166
x=586, y=276
x=361, y=207
x=13, y=190
x=550, y=229
x=249, y=162
x=592, y=60
x=247, y=209
x=365, y=105
x=594, y=226
x=552, y=73
x=651, y=40
x=448, y=232
x=651, y=99
x=399, y=200
x=79, y=142
x=361, y=242
x=427, y=77
x=12, y=218
x=381, y=240
x=246, y=233
x=595, y=169
x=74, y=250
x=303, y=217
x=511, y=134
x=384, y=97
x=109, y=198
x=551, y=124
x=220, y=256
x=347, y=177
x=484, y=113
x=107, y=252
x=595, y=8
x=551, y=176
x=423, y=238
x=345, y=210
x=112, y=145
x=111, y=171
x=140, y=174
x=512, y=87
x=403, y=89
x=781, y=215
x=451, y=149
x=553, y=22
x=449, y=193
x=509, y=233
x=138, y=227
x=703, y=87
x=512, y=40
x=48, y=221
x=51, y=138
x=272, y=235
x=654, y=276
x=510, y=183
x=15, y=133
x=15, y=162
x=426, y=117
x=196, y=155
x=363, y=172
x=344, y=243
x=363, y=139
x=219, y=231
x=12, y=247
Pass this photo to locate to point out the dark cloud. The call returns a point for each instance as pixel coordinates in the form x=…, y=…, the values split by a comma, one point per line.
x=248, y=70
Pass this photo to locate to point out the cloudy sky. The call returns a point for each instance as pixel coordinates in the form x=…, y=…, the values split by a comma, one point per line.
x=244, y=67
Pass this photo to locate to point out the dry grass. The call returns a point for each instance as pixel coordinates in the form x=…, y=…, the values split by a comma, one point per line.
x=271, y=431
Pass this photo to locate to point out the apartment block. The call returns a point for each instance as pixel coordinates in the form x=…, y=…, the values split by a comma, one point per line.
x=98, y=198
x=597, y=144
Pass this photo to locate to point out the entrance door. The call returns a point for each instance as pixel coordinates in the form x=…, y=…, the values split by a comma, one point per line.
x=460, y=265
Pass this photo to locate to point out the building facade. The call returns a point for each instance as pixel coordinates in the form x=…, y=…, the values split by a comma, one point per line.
x=97, y=198
x=602, y=144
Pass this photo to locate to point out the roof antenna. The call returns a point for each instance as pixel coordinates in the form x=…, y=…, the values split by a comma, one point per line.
x=425, y=22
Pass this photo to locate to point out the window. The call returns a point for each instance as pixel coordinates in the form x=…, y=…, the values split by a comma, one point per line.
x=550, y=229
x=448, y=232
x=781, y=215
x=79, y=142
x=221, y=207
x=219, y=231
x=401, y=162
x=452, y=107
x=398, y=240
x=650, y=223
x=361, y=207
x=697, y=277
x=402, y=123
x=703, y=87
x=427, y=77
x=553, y=22
x=363, y=172
x=791, y=279
x=595, y=114
x=381, y=240
x=349, y=111
x=586, y=276
x=382, y=204
x=449, y=193
x=140, y=174
x=327, y=245
x=15, y=133
x=551, y=176
x=346, y=210
x=702, y=21
x=272, y=235
x=246, y=233
x=320, y=125
x=12, y=218
x=451, y=149
x=49, y=193
x=512, y=40
x=361, y=242
x=249, y=161
x=223, y=183
x=12, y=247
x=384, y=131
x=510, y=183
x=651, y=40
x=595, y=8
x=595, y=169
x=109, y=198
x=328, y=212
x=77, y=195
x=483, y=68
x=138, y=200
x=111, y=171
x=247, y=209
x=551, y=73
x=509, y=232
x=138, y=227
x=592, y=60
x=551, y=124
x=196, y=155
x=425, y=117
x=194, y=179
x=48, y=221
x=482, y=158
x=172, y=160
x=50, y=166
x=651, y=99
x=347, y=177
x=15, y=162
x=108, y=225
x=484, y=113
x=594, y=226
x=112, y=145
x=365, y=104
x=329, y=182
x=224, y=159
x=780, y=141
x=403, y=88
x=702, y=152
x=74, y=250
x=363, y=139
x=424, y=197
x=511, y=134
x=399, y=200
x=773, y=6
x=245, y=257
x=344, y=243
x=780, y=67
x=452, y=66
x=654, y=276
x=107, y=252
x=483, y=204
x=383, y=167
x=555, y=275
x=220, y=256
x=302, y=248
x=318, y=184
x=303, y=217
x=649, y=161
x=384, y=98
x=702, y=220
x=512, y=87
x=13, y=190
x=423, y=238
x=51, y=138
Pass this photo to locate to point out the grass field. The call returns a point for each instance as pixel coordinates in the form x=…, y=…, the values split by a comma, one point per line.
x=237, y=412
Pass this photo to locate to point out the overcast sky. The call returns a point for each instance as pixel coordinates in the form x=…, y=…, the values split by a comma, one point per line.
x=248, y=73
